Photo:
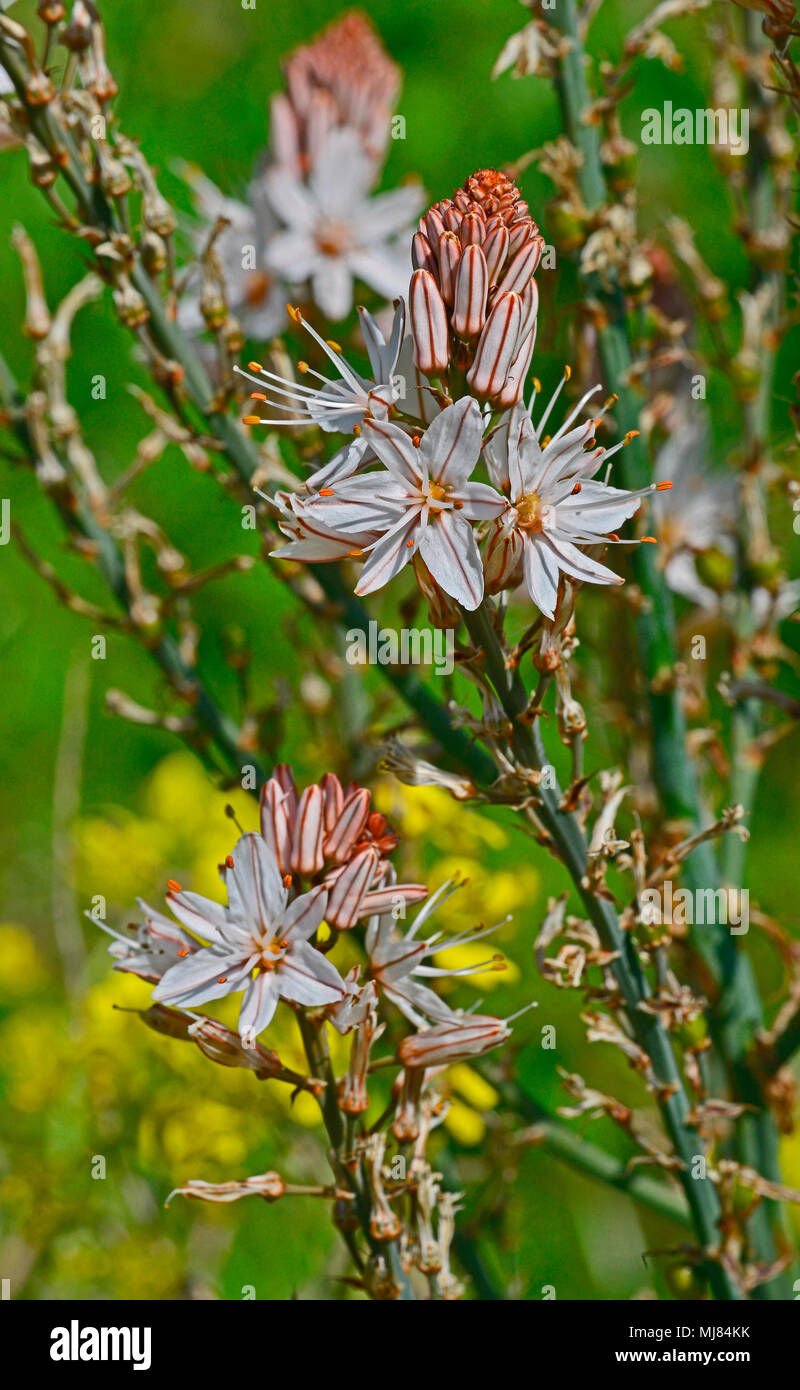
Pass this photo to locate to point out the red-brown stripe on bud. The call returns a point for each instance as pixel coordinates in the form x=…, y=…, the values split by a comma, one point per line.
x=497, y=346
x=471, y=291
x=429, y=329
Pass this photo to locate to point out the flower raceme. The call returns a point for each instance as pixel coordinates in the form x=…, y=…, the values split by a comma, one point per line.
x=445, y=401
x=321, y=857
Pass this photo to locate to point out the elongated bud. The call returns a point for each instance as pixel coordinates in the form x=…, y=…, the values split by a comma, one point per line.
x=468, y=1035
x=429, y=331
x=497, y=347
x=471, y=290
x=449, y=257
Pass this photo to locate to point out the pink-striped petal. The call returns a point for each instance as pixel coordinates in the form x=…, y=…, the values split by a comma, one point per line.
x=449, y=549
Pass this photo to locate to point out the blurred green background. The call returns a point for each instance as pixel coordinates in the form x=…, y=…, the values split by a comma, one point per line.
x=119, y=808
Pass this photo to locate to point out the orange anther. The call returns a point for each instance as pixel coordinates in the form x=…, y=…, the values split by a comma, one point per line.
x=663, y=487
x=257, y=396
x=250, y=420
x=326, y=492
x=173, y=886
x=255, y=366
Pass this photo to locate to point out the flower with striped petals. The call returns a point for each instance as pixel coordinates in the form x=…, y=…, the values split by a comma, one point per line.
x=259, y=944
x=333, y=232
x=340, y=403
x=424, y=502
x=398, y=963
x=556, y=503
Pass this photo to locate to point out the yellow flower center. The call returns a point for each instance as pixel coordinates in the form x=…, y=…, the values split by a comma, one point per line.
x=529, y=512
x=435, y=496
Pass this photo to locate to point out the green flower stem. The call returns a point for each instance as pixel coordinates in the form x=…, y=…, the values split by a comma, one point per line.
x=80, y=520
x=569, y=841
x=737, y=1012
x=591, y=1160
x=320, y=1065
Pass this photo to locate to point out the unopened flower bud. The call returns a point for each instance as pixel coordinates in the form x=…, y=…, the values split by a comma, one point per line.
x=153, y=253
x=129, y=303
x=468, y=1035
x=428, y=324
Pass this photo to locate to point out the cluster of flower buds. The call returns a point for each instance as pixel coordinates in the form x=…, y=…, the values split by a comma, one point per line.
x=473, y=299
x=343, y=78
x=328, y=835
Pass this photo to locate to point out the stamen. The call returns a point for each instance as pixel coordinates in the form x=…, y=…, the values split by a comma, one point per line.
x=173, y=886
x=663, y=487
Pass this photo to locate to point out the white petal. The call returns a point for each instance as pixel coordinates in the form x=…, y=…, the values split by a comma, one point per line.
x=256, y=893
x=580, y=566
x=303, y=916
x=448, y=547
x=388, y=557
x=452, y=443
x=307, y=977
x=208, y=974
x=259, y=1003
x=541, y=575
x=332, y=287
x=395, y=449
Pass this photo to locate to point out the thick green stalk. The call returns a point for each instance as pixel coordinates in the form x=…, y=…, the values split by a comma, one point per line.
x=570, y=843
x=737, y=1012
